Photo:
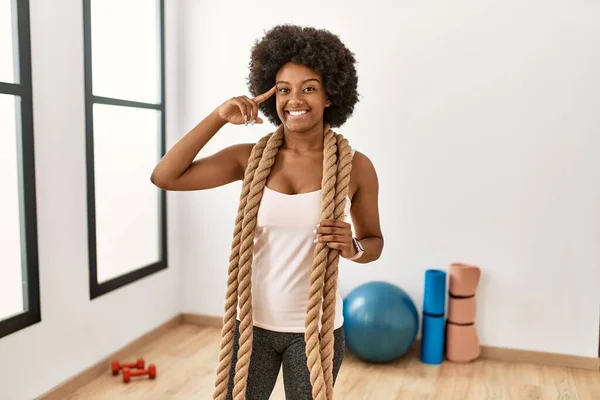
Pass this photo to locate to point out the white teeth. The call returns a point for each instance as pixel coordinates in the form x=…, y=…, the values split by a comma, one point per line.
x=297, y=113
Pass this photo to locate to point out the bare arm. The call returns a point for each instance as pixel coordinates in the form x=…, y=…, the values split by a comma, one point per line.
x=177, y=170
x=365, y=209
x=364, y=213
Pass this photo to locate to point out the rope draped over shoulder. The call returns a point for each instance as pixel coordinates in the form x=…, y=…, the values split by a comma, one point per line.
x=320, y=313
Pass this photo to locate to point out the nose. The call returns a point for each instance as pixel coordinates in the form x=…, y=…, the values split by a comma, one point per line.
x=296, y=98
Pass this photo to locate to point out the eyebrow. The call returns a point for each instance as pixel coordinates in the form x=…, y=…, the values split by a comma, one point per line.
x=304, y=81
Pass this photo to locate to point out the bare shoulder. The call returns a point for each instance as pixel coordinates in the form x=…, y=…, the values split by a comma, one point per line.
x=365, y=204
x=242, y=149
x=241, y=153
x=364, y=175
x=362, y=163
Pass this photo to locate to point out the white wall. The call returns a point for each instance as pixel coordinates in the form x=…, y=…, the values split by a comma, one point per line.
x=481, y=118
x=515, y=81
x=75, y=332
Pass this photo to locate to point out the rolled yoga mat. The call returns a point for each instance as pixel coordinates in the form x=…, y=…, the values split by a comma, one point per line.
x=432, y=330
x=462, y=340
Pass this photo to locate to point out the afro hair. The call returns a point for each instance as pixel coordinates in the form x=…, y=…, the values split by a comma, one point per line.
x=317, y=49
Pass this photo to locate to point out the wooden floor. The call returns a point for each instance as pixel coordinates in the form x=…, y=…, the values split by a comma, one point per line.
x=186, y=357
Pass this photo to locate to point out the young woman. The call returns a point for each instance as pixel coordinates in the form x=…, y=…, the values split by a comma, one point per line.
x=304, y=81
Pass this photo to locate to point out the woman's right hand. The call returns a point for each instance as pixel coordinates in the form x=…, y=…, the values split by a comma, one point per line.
x=242, y=109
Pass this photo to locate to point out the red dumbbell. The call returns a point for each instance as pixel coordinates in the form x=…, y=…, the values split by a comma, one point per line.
x=151, y=372
x=117, y=366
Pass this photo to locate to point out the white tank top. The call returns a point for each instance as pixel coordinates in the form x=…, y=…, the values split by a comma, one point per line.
x=283, y=255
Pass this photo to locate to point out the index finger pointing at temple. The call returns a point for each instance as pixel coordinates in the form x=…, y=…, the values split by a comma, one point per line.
x=264, y=96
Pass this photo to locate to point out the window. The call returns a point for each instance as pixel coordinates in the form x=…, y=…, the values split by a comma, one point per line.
x=125, y=132
x=19, y=279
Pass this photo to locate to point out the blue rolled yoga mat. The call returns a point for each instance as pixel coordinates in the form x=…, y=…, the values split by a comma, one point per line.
x=434, y=300
x=434, y=304
x=432, y=340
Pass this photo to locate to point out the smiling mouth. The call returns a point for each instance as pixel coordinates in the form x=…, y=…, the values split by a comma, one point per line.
x=297, y=113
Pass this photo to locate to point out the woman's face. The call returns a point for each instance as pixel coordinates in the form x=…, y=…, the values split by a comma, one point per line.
x=300, y=97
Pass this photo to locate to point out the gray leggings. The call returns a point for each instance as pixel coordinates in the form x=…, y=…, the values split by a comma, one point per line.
x=272, y=350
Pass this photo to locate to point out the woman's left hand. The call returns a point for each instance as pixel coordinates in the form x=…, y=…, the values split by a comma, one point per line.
x=336, y=235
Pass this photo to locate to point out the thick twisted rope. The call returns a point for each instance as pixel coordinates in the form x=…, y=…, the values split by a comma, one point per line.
x=231, y=297
x=323, y=278
x=317, y=273
x=245, y=272
x=344, y=168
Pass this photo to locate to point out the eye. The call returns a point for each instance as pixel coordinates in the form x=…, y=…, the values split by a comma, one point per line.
x=310, y=89
x=283, y=90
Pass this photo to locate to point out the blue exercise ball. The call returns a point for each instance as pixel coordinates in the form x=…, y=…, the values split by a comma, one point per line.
x=380, y=322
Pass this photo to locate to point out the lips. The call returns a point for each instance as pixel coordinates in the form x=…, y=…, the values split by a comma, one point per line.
x=297, y=113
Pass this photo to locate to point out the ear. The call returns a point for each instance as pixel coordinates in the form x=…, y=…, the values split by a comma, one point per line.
x=328, y=103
